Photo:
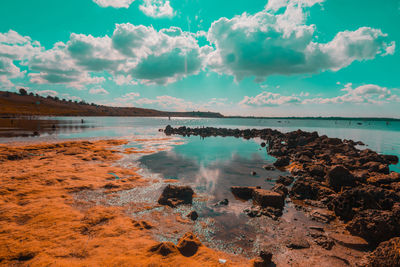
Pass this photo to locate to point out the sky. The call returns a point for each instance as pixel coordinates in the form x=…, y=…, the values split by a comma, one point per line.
x=250, y=58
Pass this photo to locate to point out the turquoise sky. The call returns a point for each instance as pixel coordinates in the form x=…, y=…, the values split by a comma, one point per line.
x=269, y=58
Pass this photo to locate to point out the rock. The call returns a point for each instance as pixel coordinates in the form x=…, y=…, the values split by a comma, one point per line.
x=297, y=241
x=304, y=188
x=267, y=198
x=285, y=180
x=269, y=167
x=281, y=189
x=376, y=167
x=339, y=176
x=253, y=173
x=243, y=192
x=317, y=170
x=188, y=244
x=164, y=248
x=263, y=144
x=364, y=197
x=282, y=161
x=350, y=241
x=391, y=159
x=375, y=226
x=174, y=195
x=322, y=240
x=387, y=254
x=322, y=215
x=224, y=202
x=193, y=215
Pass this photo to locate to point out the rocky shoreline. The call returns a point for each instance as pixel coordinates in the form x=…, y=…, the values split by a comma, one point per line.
x=333, y=179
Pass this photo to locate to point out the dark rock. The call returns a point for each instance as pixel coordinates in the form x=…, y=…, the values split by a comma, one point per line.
x=375, y=226
x=193, y=215
x=282, y=161
x=376, y=167
x=269, y=167
x=224, y=202
x=281, y=189
x=317, y=170
x=263, y=144
x=264, y=260
x=243, y=192
x=189, y=244
x=387, y=254
x=174, y=195
x=305, y=189
x=285, y=180
x=364, y=197
x=253, y=173
x=267, y=198
x=391, y=159
x=322, y=240
x=339, y=176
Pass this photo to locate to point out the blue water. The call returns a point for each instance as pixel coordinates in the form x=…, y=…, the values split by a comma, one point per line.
x=378, y=135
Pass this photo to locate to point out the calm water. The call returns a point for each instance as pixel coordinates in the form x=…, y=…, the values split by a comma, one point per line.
x=377, y=135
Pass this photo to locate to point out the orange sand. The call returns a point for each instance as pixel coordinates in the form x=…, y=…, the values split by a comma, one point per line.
x=41, y=224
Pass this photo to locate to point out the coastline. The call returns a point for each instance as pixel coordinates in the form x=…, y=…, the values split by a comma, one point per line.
x=43, y=224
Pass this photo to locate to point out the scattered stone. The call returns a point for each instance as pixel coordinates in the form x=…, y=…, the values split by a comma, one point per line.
x=174, y=195
x=285, y=180
x=193, y=215
x=297, y=241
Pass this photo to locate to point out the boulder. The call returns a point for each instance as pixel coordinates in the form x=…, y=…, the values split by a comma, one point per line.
x=282, y=161
x=391, y=159
x=281, y=189
x=243, y=192
x=347, y=204
x=285, y=180
x=387, y=254
x=339, y=176
x=174, y=195
x=350, y=241
x=375, y=226
x=317, y=170
x=267, y=198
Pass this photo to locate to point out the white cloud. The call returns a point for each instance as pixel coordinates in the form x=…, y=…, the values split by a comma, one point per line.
x=364, y=94
x=269, y=99
x=267, y=44
x=157, y=8
x=114, y=3
x=124, y=80
x=98, y=91
x=277, y=4
x=46, y=93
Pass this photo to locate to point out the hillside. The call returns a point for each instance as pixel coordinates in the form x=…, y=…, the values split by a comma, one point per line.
x=12, y=104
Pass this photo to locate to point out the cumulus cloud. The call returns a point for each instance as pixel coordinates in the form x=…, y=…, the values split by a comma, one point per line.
x=278, y=4
x=14, y=47
x=98, y=91
x=157, y=8
x=269, y=43
x=47, y=93
x=269, y=99
x=114, y=3
x=367, y=94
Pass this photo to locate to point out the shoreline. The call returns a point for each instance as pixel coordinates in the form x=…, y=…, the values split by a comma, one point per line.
x=43, y=224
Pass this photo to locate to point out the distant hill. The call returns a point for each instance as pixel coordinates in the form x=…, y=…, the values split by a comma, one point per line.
x=13, y=104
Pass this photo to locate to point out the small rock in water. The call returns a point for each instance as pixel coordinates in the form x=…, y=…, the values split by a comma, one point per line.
x=193, y=215
x=174, y=195
x=222, y=202
x=253, y=173
x=269, y=167
x=263, y=144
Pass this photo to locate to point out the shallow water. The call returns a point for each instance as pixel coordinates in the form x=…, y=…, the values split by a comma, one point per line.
x=380, y=136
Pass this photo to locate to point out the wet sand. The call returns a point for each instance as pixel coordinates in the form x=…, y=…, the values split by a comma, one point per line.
x=43, y=224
